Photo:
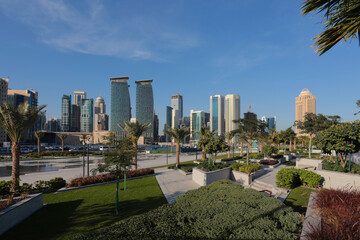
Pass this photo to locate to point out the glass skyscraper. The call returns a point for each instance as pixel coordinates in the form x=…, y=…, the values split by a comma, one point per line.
x=86, y=115
x=66, y=113
x=271, y=121
x=168, y=121
x=177, y=106
x=197, y=120
x=120, y=104
x=217, y=114
x=145, y=107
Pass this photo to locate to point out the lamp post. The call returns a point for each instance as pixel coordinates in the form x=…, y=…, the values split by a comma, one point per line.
x=83, y=157
x=88, y=162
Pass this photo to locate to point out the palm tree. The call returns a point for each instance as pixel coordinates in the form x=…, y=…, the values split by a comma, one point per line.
x=178, y=134
x=62, y=137
x=39, y=135
x=342, y=21
x=16, y=122
x=205, y=135
x=134, y=130
x=228, y=137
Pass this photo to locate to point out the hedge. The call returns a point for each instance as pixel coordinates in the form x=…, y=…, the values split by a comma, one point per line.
x=231, y=158
x=222, y=210
x=243, y=167
x=331, y=166
x=291, y=178
x=53, y=154
x=208, y=167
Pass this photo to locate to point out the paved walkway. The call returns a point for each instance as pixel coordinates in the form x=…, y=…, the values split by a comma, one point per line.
x=173, y=183
x=270, y=175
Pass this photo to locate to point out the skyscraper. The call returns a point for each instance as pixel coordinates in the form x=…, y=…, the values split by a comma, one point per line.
x=168, y=123
x=16, y=97
x=120, y=104
x=3, y=98
x=65, y=113
x=101, y=118
x=250, y=116
x=304, y=103
x=53, y=125
x=86, y=115
x=217, y=114
x=145, y=107
x=78, y=96
x=156, y=128
x=197, y=120
x=177, y=106
x=100, y=106
x=271, y=121
x=232, y=111
x=75, y=118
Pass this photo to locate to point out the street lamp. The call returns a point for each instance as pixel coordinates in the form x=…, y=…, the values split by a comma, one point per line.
x=83, y=157
x=88, y=161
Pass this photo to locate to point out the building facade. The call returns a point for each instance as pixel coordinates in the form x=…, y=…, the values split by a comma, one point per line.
x=86, y=115
x=168, y=123
x=304, y=103
x=250, y=116
x=156, y=128
x=197, y=120
x=101, y=118
x=177, y=106
x=145, y=107
x=66, y=113
x=120, y=104
x=75, y=118
x=4, y=83
x=232, y=111
x=271, y=122
x=78, y=97
x=53, y=125
x=217, y=122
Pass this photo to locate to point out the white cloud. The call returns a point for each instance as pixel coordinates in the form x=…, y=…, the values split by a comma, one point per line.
x=89, y=27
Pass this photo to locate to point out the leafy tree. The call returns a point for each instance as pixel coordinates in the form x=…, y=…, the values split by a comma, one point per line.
x=269, y=150
x=215, y=145
x=341, y=21
x=38, y=135
x=16, y=122
x=205, y=136
x=358, y=105
x=178, y=135
x=134, y=130
x=62, y=137
x=116, y=162
x=228, y=137
x=344, y=138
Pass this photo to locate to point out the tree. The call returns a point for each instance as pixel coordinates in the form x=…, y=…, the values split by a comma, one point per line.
x=134, y=130
x=62, y=137
x=116, y=162
x=178, y=134
x=205, y=136
x=344, y=138
x=16, y=122
x=269, y=150
x=342, y=21
x=228, y=137
x=358, y=105
x=38, y=135
x=314, y=124
x=214, y=145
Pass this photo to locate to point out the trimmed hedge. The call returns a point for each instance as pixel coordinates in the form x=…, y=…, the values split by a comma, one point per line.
x=81, y=181
x=242, y=167
x=291, y=178
x=222, y=210
x=269, y=162
x=331, y=166
x=205, y=166
x=53, y=154
x=231, y=159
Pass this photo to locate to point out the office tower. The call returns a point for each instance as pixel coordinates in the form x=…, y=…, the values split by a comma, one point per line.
x=16, y=97
x=271, y=121
x=250, y=116
x=75, y=118
x=145, y=107
x=41, y=123
x=101, y=118
x=304, y=103
x=177, y=106
x=86, y=115
x=65, y=113
x=78, y=97
x=120, y=104
x=156, y=128
x=217, y=114
x=197, y=120
x=207, y=120
x=3, y=98
x=185, y=122
x=168, y=123
x=53, y=125
x=232, y=111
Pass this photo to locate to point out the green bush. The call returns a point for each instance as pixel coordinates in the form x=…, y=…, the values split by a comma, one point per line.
x=222, y=210
x=211, y=167
x=25, y=188
x=256, y=155
x=57, y=183
x=355, y=168
x=331, y=166
x=309, y=178
x=41, y=185
x=291, y=178
x=231, y=159
x=5, y=188
x=278, y=156
x=242, y=167
x=269, y=150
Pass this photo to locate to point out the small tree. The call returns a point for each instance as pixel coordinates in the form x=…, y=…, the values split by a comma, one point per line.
x=215, y=145
x=38, y=135
x=205, y=136
x=62, y=137
x=344, y=138
x=228, y=137
x=269, y=150
x=358, y=105
x=178, y=135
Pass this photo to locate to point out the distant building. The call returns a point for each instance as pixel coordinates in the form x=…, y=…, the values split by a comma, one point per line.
x=86, y=115
x=53, y=125
x=207, y=120
x=217, y=122
x=168, y=123
x=75, y=118
x=304, y=103
x=16, y=97
x=120, y=104
x=250, y=116
x=156, y=128
x=3, y=98
x=232, y=111
x=177, y=107
x=197, y=120
x=185, y=121
x=78, y=97
x=65, y=113
x=101, y=118
x=145, y=107
x=41, y=123
x=271, y=121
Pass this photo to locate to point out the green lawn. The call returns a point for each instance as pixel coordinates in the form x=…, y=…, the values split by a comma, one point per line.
x=187, y=167
x=77, y=212
x=299, y=198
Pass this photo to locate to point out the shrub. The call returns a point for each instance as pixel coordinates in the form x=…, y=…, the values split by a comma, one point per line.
x=222, y=210
x=243, y=167
x=269, y=150
x=278, y=156
x=291, y=177
x=309, y=178
x=57, y=183
x=53, y=154
x=231, y=159
x=25, y=188
x=41, y=185
x=256, y=155
x=331, y=166
x=269, y=162
x=205, y=166
x=355, y=168
x=5, y=188
x=292, y=164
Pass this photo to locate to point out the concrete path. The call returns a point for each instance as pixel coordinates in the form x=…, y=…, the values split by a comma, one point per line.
x=270, y=175
x=173, y=183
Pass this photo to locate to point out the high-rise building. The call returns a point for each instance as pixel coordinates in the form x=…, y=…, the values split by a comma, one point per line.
x=197, y=120
x=78, y=97
x=217, y=114
x=271, y=121
x=156, y=128
x=101, y=118
x=86, y=115
x=16, y=97
x=3, y=98
x=168, y=123
x=75, y=118
x=66, y=113
x=250, y=116
x=145, y=107
x=304, y=103
x=232, y=111
x=120, y=104
x=177, y=106
x=53, y=125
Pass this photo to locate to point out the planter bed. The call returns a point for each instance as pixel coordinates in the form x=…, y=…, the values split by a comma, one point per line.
x=244, y=178
x=204, y=178
x=19, y=211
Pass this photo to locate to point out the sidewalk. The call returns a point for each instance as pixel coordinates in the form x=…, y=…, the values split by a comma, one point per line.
x=173, y=183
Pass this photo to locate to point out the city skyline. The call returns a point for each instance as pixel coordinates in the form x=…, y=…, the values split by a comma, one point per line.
x=267, y=68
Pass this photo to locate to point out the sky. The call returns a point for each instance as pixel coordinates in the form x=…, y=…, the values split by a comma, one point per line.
x=256, y=48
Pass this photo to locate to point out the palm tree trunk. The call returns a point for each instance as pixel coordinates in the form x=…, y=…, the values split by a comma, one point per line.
x=203, y=152
x=134, y=167
x=62, y=145
x=310, y=146
x=290, y=147
x=15, y=172
x=250, y=146
x=38, y=143
x=177, y=154
x=229, y=154
x=241, y=148
x=295, y=143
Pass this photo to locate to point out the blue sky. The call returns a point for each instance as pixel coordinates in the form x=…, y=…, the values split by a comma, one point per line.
x=259, y=49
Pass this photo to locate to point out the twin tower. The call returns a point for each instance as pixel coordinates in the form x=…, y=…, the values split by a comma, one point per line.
x=121, y=107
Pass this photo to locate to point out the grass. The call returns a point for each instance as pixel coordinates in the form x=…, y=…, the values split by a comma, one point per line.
x=299, y=198
x=292, y=164
x=80, y=211
x=187, y=167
